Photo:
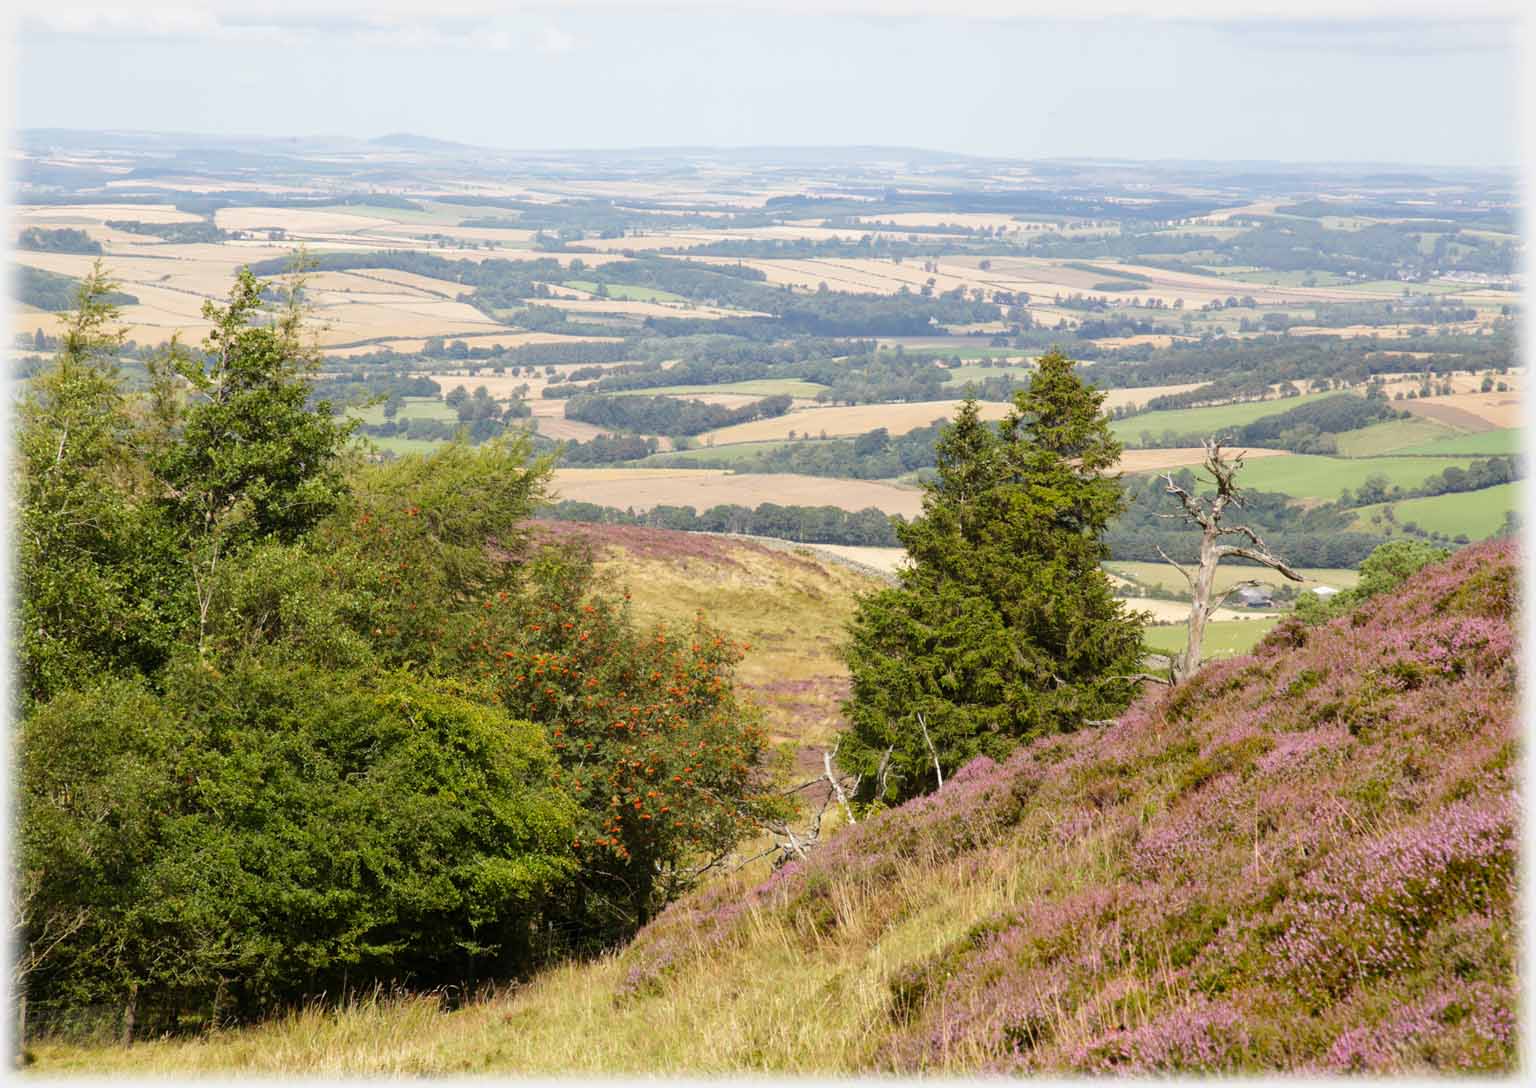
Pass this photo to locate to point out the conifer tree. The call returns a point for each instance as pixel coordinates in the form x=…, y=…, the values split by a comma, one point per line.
x=1003, y=627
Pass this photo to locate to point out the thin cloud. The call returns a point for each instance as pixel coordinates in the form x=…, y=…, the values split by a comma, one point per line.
x=374, y=30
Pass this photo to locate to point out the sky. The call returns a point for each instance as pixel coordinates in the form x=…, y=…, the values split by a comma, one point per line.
x=1205, y=80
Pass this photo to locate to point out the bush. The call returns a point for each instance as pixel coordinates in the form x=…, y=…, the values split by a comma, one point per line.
x=266, y=833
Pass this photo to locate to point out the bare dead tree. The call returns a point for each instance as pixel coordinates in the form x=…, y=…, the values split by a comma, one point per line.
x=932, y=752
x=836, y=783
x=1208, y=514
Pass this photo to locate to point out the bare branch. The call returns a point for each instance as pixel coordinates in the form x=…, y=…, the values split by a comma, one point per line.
x=1188, y=577
x=1272, y=561
x=1138, y=676
x=837, y=787
x=936, y=768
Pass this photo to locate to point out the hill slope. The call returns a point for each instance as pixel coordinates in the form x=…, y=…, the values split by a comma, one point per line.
x=1303, y=860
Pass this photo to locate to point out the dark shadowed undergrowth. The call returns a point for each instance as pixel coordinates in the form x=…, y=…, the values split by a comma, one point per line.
x=1303, y=860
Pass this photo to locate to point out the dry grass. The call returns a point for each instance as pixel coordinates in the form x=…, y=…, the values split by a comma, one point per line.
x=768, y=1004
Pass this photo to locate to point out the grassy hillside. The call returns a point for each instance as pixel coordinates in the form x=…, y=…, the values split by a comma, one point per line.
x=1301, y=861
x=1478, y=514
x=788, y=604
x=1305, y=476
x=1507, y=441
x=1205, y=420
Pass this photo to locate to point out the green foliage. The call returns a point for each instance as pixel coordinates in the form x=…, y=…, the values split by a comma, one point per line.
x=1386, y=568
x=62, y=240
x=55, y=292
x=81, y=536
x=252, y=459
x=652, y=741
x=296, y=723
x=1004, y=628
x=250, y=836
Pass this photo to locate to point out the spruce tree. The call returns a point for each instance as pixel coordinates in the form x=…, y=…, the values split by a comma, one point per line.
x=1003, y=627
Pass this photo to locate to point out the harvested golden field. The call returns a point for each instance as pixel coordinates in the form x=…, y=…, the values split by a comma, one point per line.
x=421, y=285
x=74, y=215
x=304, y=221
x=642, y=489
x=1471, y=411
x=885, y=560
x=590, y=305
x=972, y=220
x=848, y=420
x=1178, y=457
x=1463, y=383
x=898, y=419
x=550, y=415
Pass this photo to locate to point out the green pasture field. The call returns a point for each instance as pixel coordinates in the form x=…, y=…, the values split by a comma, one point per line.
x=1223, y=638
x=1395, y=436
x=625, y=292
x=1164, y=577
x=760, y=387
x=1487, y=443
x=411, y=408
x=1204, y=421
x=1477, y=514
x=1306, y=476
x=732, y=452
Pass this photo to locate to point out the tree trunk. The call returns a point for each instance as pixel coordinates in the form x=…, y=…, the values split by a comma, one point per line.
x=1187, y=663
x=129, y=1009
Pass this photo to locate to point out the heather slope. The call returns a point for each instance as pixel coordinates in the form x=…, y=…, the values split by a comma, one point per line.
x=1301, y=861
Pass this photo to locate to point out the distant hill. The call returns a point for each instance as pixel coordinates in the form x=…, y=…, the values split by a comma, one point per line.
x=412, y=142
x=1302, y=861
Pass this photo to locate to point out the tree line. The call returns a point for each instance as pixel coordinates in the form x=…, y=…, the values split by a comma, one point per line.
x=669, y=415
x=803, y=524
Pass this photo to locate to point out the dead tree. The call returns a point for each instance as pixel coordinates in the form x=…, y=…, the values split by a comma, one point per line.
x=1208, y=514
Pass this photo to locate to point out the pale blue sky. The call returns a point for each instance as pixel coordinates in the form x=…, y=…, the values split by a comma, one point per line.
x=585, y=76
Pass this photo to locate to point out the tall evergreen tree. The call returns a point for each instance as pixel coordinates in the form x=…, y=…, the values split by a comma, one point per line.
x=1004, y=626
